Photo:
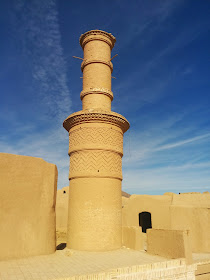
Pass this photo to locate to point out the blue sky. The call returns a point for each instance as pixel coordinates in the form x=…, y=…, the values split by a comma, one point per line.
x=162, y=85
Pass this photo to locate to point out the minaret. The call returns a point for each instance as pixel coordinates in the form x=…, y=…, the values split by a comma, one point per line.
x=95, y=150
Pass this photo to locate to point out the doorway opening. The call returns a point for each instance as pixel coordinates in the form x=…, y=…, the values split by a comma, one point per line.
x=145, y=221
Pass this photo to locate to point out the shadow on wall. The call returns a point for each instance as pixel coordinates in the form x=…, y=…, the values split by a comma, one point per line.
x=145, y=221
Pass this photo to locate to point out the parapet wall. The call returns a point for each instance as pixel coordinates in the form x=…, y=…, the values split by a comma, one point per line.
x=172, y=244
x=27, y=206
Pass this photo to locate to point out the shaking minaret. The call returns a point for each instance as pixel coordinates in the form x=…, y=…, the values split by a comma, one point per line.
x=95, y=150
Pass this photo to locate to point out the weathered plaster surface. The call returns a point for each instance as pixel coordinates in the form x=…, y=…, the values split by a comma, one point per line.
x=27, y=206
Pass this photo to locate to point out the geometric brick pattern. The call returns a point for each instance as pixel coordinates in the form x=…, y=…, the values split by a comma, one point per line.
x=103, y=136
x=90, y=162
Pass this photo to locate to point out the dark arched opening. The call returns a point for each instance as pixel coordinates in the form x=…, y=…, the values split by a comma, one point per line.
x=64, y=191
x=145, y=221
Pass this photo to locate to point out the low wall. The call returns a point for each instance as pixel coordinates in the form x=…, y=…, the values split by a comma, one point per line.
x=27, y=206
x=169, y=243
x=203, y=271
x=133, y=238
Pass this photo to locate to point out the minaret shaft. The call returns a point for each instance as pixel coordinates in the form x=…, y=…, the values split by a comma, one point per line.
x=97, y=69
x=96, y=150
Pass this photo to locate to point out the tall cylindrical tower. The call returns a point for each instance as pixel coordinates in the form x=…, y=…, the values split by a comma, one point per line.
x=95, y=150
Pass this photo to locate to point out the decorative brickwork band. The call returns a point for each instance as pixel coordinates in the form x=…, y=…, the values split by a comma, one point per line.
x=95, y=163
x=93, y=35
x=96, y=116
x=105, y=138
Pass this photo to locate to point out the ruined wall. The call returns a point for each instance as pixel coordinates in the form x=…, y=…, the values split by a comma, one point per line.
x=189, y=211
x=27, y=206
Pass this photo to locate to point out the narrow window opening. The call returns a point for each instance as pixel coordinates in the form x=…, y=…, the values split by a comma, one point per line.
x=64, y=191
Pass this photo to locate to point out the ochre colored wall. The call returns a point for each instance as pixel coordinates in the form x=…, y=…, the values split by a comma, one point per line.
x=133, y=238
x=189, y=211
x=192, y=199
x=99, y=216
x=169, y=243
x=62, y=202
x=27, y=206
x=62, y=212
x=195, y=219
x=203, y=271
x=157, y=205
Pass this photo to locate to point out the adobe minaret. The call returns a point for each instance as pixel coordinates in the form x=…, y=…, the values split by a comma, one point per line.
x=95, y=150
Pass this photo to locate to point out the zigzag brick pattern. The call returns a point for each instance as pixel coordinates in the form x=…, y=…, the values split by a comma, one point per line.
x=103, y=136
x=101, y=162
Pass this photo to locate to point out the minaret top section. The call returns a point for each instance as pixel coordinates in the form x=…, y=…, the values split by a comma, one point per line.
x=97, y=68
x=96, y=94
x=97, y=35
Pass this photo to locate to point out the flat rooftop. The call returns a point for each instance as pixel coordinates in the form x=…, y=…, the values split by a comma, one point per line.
x=64, y=264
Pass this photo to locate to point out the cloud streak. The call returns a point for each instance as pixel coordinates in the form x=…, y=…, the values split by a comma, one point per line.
x=44, y=82
x=156, y=160
x=39, y=34
x=184, y=142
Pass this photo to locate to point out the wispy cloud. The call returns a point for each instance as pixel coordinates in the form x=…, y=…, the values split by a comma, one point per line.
x=38, y=31
x=180, y=143
x=184, y=178
x=38, y=38
x=154, y=71
x=162, y=157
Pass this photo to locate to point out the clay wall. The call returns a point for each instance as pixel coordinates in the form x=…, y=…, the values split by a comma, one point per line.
x=172, y=244
x=189, y=211
x=157, y=205
x=133, y=238
x=27, y=206
x=62, y=201
x=195, y=219
x=192, y=199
